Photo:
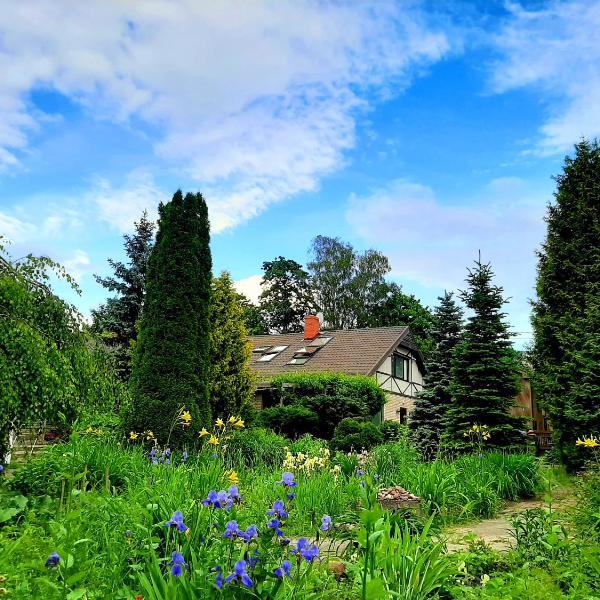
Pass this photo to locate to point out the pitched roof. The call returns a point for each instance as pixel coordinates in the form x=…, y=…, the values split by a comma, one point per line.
x=350, y=351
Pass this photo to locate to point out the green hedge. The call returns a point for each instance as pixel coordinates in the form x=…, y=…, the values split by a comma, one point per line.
x=355, y=435
x=332, y=396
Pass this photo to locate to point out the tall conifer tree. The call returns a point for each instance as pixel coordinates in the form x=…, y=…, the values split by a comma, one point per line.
x=231, y=379
x=486, y=372
x=566, y=316
x=171, y=367
x=427, y=418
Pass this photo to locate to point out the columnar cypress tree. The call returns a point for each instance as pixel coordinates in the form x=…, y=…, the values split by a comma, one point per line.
x=427, y=418
x=231, y=379
x=171, y=367
x=485, y=372
x=566, y=316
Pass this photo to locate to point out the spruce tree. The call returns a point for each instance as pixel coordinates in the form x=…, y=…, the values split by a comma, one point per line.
x=485, y=371
x=427, y=417
x=566, y=316
x=171, y=367
x=116, y=319
x=231, y=385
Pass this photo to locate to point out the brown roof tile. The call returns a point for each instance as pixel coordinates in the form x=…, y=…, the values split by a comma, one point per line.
x=350, y=351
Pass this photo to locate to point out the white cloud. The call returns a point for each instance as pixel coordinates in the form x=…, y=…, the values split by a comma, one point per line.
x=251, y=287
x=77, y=265
x=121, y=206
x=15, y=230
x=555, y=49
x=257, y=100
x=432, y=242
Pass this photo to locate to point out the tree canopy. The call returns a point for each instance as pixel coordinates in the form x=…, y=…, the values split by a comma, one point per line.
x=485, y=372
x=566, y=315
x=116, y=319
x=171, y=367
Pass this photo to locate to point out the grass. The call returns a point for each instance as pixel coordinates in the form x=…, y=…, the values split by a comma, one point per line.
x=103, y=507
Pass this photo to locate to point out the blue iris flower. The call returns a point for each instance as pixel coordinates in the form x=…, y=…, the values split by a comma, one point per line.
x=326, y=523
x=240, y=574
x=177, y=521
x=253, y=560
x=1, y=469
x=287, y=479
x=284, y=570
x=275, y=524
x=250, y=533
x=218, y=500
x=278, y=510
x=234, y=493
x=178, y=563
x=291, y=496
x=306, y=550
x=219, y=580
x=53, y=560
x=232, y=530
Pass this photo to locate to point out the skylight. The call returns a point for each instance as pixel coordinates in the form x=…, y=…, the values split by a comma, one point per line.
x=269, y=352
x=302, y=355
x=319, y=342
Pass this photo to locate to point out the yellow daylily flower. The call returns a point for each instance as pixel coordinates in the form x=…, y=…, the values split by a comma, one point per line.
x=579, y=442
x=133, y=435
x=186, y=417
x=232, y=420
x=591, y=442
x=232, y=477
x=219, y=422
x=203, y=432
x=214, y=440
x=239, y=424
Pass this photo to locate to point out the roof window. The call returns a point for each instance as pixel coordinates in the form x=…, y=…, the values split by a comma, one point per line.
x=269, y=352
x=302, y=355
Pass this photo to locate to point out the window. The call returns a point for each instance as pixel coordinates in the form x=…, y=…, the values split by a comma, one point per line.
x=400, y=367
x=261, y=349
x=298, y=360
x=270, y=353
x=402, y=415
x=320, y=341
x=302, y=355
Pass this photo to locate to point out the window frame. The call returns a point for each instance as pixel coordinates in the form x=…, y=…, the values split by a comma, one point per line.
x=405, y=366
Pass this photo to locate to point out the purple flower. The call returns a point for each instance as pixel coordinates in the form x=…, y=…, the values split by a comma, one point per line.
x=326, y=523
x=240, y=574
x=184, y=456
x=306, y=550
x=360, y=473
x=1, y=469
x=250, y=533
x=284, y=569
x=153, y=452
x=252, y=560
x=275, y=524
x=219, y=580
x=53, y=560
x=287, y=479
x=376, y=477
x=278, y=510
x=218, y=500
x=177, y=521
x=178, y=563
x=234, y=493
x=291, y=496
x=231, y=530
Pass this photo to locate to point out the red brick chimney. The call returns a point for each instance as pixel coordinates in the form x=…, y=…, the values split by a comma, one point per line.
x=312, y=327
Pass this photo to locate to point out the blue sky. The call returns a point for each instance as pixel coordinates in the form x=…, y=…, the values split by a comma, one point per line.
x=428, y=130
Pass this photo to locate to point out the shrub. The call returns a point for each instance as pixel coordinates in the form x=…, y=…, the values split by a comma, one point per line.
x=392, y=431
x=332, y=396
x=587, y=511
x=255, y=447
x=354, y=434
x=291, y=421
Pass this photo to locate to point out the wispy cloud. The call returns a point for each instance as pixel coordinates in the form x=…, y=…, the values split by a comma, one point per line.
x=255, y=100
x=554, y=49
x=432, y=242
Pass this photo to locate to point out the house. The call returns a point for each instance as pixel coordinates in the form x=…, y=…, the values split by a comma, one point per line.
x=526, y=405
x=386, y=353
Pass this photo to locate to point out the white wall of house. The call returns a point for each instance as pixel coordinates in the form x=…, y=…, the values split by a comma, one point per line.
x=401, y=390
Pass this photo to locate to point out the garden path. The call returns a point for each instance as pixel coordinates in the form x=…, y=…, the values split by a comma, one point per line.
x=495, y=532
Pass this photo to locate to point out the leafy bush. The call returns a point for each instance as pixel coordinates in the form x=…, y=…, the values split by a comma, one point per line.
x=332, y=396
x=392, y=431
x=587, y=511
x=291, y=421
x=255, y=447
x=354, y=434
